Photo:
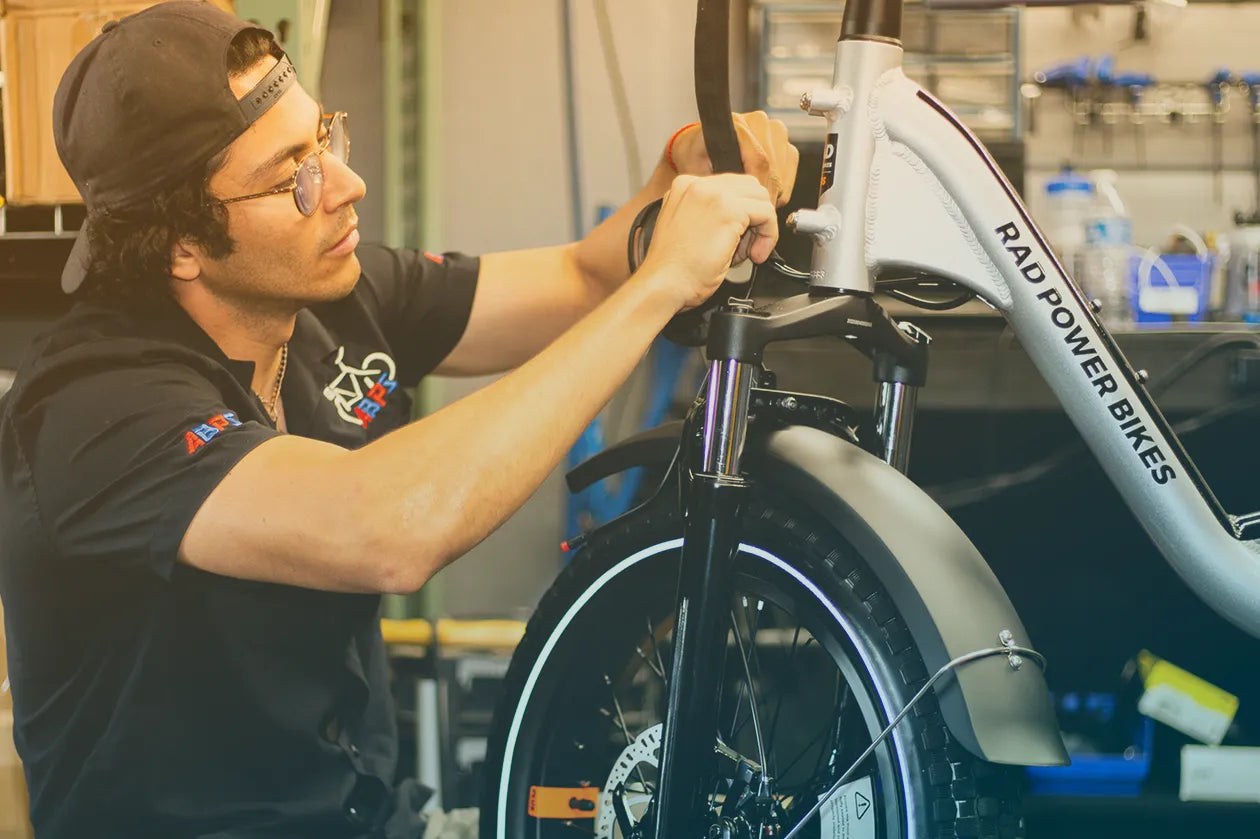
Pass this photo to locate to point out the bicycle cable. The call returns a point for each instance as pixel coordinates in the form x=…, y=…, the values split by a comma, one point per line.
x=896, y=288
x=1013, y=654
x=930, y=305
x=970, y=491
x=1201, y=353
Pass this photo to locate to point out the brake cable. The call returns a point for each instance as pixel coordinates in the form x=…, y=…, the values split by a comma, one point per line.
x=899, y=289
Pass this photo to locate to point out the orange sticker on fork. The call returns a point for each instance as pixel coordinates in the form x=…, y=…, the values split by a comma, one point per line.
x=563, y=802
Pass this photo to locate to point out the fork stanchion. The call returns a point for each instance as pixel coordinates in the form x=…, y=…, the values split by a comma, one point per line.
x=705, y=586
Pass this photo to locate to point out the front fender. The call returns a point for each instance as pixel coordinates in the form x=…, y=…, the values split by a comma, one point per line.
x=950, y=599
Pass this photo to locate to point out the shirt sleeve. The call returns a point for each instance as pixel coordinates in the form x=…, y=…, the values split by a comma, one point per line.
x=422, y=302
x=121, y=459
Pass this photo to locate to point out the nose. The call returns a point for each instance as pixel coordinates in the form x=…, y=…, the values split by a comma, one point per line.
x=342, y=185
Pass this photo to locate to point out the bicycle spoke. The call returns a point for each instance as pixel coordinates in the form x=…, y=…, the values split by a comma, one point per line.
x=621, y=719
x=834, y=736
x=831, y=725
x=752, y=697
x=739, y=704
x=717, y=787
x=778, y=706
x=756, y=626
x=754, y=664
x=721, y=688
x=799, y=755
x=795, y=760
x=753, y=658
x=844, y=707
x=656, y=651
x=651, y=664
x=753, y=627
x=736, y=725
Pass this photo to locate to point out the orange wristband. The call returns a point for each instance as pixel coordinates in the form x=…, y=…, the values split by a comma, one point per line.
x=669, y=147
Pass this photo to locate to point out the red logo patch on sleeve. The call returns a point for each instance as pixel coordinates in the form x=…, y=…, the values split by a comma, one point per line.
x=434, y=257
x=198, y=436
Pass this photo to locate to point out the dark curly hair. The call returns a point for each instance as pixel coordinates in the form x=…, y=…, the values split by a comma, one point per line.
x=130, y=263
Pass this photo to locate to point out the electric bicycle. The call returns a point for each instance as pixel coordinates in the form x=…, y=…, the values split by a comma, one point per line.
x=790, y=638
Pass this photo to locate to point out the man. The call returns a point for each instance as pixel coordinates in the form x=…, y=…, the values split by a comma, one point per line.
x=192, y=593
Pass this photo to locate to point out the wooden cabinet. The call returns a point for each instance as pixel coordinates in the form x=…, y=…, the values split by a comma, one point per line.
x=38, y=38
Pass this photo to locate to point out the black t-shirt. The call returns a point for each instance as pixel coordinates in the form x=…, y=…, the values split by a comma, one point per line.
x=155, y=699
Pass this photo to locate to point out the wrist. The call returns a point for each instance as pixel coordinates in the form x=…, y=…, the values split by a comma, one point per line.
x=669, y=147
x=660, y=182
x=659, y=286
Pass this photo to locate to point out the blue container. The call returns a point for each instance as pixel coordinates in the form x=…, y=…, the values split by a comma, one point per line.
x=1183, y=280
x=1096, y=773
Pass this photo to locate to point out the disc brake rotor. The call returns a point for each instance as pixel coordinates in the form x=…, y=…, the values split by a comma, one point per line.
x=644, y=752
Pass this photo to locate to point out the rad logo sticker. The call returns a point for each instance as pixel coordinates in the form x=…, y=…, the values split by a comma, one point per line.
x=359, y=393
x=829, y=164
x=198, y=436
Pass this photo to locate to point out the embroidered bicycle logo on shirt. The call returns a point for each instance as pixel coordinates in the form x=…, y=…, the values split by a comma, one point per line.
x=359, y=393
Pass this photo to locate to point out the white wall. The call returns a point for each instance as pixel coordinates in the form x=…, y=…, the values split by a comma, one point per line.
x=505, y=150
x=1183, y=46
x=505, y=169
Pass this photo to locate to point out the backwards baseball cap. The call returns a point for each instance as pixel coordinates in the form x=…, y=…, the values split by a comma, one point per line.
x=147, y=103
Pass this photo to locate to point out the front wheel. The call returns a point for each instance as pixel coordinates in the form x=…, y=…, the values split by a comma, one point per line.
x=818, y=660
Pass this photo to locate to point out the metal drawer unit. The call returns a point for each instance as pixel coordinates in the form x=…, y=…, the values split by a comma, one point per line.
x=969, y=59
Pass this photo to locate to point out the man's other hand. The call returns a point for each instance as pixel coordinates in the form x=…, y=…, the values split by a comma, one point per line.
x=763, y=145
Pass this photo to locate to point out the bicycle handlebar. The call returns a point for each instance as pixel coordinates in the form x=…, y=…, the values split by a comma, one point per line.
x=713, y=85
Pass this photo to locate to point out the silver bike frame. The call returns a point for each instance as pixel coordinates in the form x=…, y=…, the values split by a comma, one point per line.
x=913, y=188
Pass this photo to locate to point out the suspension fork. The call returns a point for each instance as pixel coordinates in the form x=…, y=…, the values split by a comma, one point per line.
x=894, y=422
x=896, y=401
x=713, y=500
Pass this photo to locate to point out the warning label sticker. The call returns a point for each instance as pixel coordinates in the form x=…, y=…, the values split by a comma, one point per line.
x=848, y=814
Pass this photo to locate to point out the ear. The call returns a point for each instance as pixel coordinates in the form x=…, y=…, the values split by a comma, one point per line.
x=185, y=260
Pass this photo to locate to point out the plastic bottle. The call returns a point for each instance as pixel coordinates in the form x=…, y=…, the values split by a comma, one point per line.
x=1106, y=258
x=1070, y=201
x=1242, y=292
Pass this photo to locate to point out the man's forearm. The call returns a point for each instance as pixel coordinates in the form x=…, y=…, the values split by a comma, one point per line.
x=483, y=456
x=601, y=255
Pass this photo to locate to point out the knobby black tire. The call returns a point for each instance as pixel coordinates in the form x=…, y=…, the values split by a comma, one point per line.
x=950, y=792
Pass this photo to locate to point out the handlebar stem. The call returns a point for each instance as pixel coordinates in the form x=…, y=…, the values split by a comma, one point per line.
x=872, y=20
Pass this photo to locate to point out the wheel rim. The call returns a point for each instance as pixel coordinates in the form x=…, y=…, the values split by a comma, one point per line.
x=781, y=590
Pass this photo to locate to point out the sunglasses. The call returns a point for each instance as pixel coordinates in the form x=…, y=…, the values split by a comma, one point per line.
x=307, y=183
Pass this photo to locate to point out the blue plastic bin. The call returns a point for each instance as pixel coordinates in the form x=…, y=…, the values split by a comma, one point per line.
x=1092, y=773
x=1189, y=271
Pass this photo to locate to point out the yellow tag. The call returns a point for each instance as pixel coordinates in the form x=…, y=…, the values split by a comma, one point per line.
x=1182, y=700
x=563, y=802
